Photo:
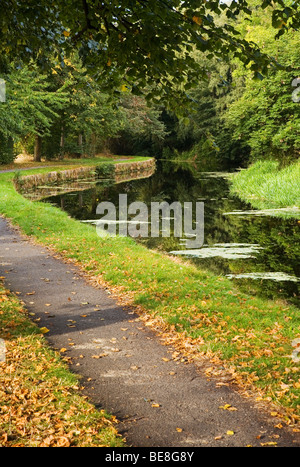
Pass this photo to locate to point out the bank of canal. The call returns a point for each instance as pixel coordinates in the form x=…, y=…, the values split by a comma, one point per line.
x=256, y=249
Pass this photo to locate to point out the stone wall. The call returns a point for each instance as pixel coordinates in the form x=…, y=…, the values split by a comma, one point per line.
x=34, y=186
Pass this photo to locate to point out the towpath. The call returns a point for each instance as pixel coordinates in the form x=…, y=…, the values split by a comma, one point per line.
x=123, y=364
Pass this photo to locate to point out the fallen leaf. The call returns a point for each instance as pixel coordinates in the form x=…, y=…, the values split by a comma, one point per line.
x=229, y=432
x=227, y=407
x=155, y=405
x=100, y=355
x=63, y=442
x=179, y=430
x=44, y=330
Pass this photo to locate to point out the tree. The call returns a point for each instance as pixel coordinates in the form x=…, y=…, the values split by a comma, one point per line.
x=141, y=131
x=29, y=108
x=88, y=118
x=144, y=41
x=265, y=115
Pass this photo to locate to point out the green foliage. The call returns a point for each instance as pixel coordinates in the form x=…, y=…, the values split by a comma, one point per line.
x=142, y=42
x=265, y=115
x=141, y=132
x=88, y=117
x=7, y=153
x=105, y=170
x=75, y=84
x=29, y=108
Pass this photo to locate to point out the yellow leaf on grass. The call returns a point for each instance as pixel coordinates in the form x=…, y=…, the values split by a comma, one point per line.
x=44, y=330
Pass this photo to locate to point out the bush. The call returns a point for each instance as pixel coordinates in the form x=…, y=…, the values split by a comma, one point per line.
x=7, y=153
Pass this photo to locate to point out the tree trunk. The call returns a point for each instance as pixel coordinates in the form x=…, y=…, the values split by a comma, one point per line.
x=62, y=143
x=38, y=148
x=80, y=145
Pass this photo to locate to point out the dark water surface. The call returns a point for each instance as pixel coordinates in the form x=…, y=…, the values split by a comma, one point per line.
x=259, y=251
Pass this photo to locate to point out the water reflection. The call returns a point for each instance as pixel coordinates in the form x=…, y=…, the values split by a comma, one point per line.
x=242, y=246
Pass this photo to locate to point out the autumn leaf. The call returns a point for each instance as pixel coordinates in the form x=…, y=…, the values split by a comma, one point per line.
x=100, y=355
x=230, y=433
x=197, y=20
x=44, y=330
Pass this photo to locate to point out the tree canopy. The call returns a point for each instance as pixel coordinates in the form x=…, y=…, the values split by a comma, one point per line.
x=141, y=41
x=73, y=69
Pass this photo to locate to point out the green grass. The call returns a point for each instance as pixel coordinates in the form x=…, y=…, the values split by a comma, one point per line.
x=266, y=186
x=250, y=335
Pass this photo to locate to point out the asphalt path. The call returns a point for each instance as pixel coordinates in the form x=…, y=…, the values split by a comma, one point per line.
x=123, y=364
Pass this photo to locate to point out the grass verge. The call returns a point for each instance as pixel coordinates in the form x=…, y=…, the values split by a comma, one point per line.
x=40, y=405
x=251, y=337
x=266, y=186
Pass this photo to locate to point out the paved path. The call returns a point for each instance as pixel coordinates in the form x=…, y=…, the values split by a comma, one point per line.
x=130, y=376
x=22, y=168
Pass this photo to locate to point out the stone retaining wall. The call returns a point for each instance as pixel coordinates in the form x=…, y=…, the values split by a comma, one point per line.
x=29, y=184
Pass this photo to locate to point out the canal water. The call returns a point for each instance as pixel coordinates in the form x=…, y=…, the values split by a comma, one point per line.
x=259, y=250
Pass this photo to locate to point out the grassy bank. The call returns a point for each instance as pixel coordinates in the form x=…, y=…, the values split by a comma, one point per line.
x=266, y=186
x=40, y=404
x=251, y=337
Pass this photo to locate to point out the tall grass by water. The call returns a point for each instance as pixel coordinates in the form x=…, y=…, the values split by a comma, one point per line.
x=266, y=186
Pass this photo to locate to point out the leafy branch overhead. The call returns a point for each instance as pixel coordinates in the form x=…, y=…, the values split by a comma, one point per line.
x=144, y=41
